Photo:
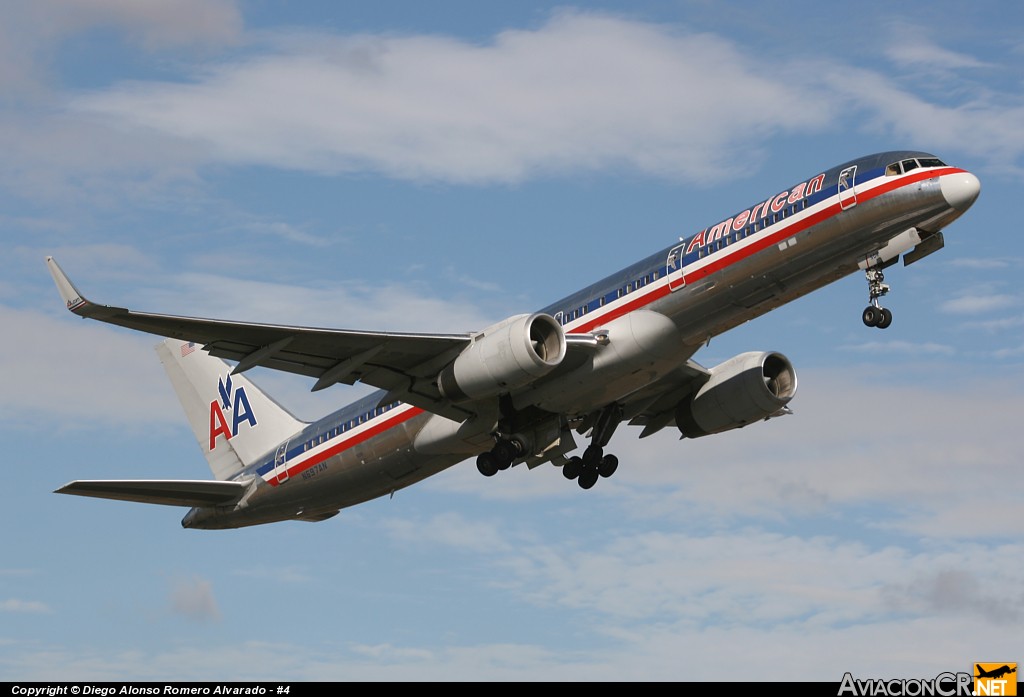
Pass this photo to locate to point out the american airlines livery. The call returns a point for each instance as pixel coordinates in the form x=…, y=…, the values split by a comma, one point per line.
x=521, y=391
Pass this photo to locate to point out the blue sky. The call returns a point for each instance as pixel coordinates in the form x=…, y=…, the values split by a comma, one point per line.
x=438, y=167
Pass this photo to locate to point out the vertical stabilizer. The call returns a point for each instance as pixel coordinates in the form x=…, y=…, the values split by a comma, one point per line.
x=233, y=420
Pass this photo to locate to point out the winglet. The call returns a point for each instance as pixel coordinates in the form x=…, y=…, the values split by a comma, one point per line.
x=72, y=298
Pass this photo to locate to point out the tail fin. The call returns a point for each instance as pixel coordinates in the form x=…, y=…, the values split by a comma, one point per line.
x=233, y=420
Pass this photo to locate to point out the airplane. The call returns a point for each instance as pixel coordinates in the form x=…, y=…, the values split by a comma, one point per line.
x=995, y=673
x=518, y=392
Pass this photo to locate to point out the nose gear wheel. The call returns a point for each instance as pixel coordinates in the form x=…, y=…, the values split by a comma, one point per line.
x=875, y=315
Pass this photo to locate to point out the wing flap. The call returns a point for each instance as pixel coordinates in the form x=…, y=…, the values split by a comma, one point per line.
x=166, y=492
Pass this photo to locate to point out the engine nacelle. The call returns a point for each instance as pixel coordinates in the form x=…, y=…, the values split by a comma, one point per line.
x=744, y=389
x=511, y=354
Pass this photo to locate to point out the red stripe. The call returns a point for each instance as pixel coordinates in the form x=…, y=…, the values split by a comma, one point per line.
x=355, y=440
x=640, y=301
x=635, y=304
x=792, y=229
x=784, y=232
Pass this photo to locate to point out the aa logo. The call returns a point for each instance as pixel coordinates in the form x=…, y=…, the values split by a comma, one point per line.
x=995, y=678
x=233, y=402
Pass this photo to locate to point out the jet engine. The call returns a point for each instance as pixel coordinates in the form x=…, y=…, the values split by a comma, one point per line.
x=744, y=389
x=511, y=354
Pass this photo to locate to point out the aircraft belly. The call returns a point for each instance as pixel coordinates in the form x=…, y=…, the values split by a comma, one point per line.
x=374, y=468
x=643, y=346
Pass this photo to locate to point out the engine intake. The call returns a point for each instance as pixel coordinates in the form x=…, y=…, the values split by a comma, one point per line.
x=511, y=354
x=744, y=389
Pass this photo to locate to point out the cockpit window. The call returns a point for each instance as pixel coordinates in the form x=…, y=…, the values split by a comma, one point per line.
x=909, y=165
x=931, y=162
x=893, y=169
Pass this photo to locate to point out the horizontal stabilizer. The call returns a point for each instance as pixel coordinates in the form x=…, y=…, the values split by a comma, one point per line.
x=168, y=492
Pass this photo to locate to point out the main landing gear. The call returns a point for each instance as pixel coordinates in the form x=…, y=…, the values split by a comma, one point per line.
x=500, y=457
x=594, y=463
x=875, y=315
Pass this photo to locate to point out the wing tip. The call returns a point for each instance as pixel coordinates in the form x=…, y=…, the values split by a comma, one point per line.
x=69, y=294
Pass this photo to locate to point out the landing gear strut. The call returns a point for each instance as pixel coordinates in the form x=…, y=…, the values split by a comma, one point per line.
x=594, y=463
x=875, y=315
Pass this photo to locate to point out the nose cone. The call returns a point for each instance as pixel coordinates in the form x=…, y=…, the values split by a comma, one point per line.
x=960, y=190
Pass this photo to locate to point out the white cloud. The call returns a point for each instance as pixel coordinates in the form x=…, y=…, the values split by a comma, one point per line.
x=580, y=93
x=991, y=127
x=18, y=572
x=981, y=264
x=451, y=530
x=931, y=458
x=908, y=348
x=84, y=372
x=24, y=606
x=995, y=325
x=30, y=32
x=1012, y=352
x=754, y=578
x=583, y=92
x=910, y=48
x=973, y=303
x=193, y=598
x=154, y=23
x=80, y=373
x=354, y=305
x=666, y=649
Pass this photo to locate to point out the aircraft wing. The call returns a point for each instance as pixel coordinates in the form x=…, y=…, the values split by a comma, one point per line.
x=653, y=407
x=169, y=492
x=404, y=364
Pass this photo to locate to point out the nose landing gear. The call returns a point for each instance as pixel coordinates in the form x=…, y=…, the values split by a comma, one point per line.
x=875, y=315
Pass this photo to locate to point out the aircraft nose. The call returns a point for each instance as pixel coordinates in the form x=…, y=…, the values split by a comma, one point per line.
x=960, y=190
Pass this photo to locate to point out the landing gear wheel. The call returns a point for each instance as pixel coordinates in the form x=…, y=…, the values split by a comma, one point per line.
x=609, y=463
x=572, y=468
x=886, y=319
x=588, y=478
x=505, y=452
x=592, y=456
x=874, y=314
x=487, y=464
